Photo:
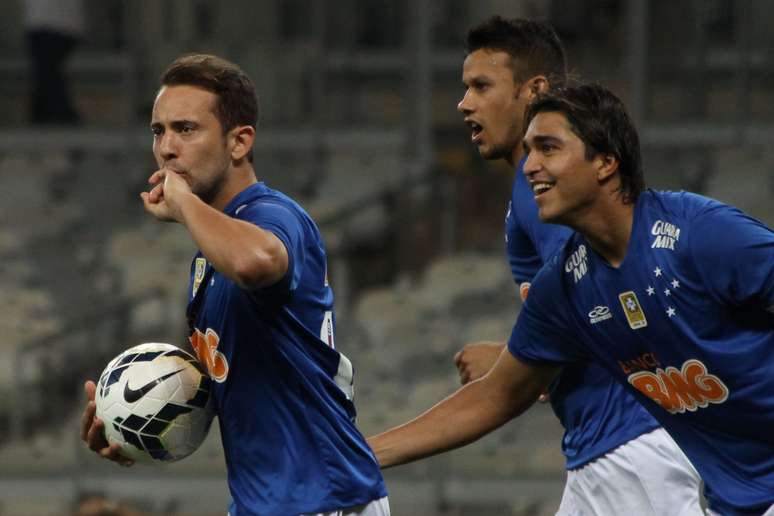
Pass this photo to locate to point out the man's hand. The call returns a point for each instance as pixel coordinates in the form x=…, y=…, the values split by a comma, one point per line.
x=475, y=360
x=164, y=200
x=93, y=430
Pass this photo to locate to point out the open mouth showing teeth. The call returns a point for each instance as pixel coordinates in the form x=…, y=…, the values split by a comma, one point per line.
x=475, y=128
x=540, y=188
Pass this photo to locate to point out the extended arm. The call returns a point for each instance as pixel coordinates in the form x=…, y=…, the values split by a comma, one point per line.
x=474, y=410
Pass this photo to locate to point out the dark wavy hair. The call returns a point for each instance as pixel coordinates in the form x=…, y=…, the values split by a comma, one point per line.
x=600, y=120
x=534, y=47
x=237, y=101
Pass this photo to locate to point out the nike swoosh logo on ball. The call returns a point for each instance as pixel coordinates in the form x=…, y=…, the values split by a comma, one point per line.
x=132, y=395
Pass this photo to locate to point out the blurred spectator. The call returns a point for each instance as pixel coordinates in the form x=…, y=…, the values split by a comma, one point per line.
x=52, y=30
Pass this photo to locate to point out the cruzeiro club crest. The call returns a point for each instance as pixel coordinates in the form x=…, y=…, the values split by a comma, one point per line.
x=200, y=265
x=633, y=310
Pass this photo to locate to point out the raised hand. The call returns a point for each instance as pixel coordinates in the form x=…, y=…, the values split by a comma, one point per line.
x=164, y=199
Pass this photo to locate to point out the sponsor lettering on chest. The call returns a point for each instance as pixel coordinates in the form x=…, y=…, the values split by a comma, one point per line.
x=577, y=263
x=666, y=234
x=690, y=387
x=206, y=347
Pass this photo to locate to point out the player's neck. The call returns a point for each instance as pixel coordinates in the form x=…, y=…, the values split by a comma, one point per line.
x=608, y=228
x=238, y=178
x=516, y=155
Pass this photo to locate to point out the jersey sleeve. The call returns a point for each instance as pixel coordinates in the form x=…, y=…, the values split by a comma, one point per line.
x=734, y=256
x=523, y=258
x=286, y=225
x=541, y=333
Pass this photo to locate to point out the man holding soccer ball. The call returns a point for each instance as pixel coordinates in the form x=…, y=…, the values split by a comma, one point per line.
x=260, y=308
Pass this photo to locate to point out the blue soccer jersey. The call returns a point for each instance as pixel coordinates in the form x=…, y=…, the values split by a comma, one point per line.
x=283, y=392
x=686, y=323
x=597, y=413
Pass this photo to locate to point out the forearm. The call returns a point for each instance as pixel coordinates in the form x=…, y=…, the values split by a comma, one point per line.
x=465, y=416
x=474, y=410
x=248, y=255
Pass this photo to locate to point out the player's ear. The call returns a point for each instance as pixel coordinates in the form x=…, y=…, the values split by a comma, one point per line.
x=535, y=86
x=607, y=165
x=242, y=138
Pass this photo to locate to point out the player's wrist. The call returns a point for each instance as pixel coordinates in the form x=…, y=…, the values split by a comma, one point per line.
x=188, y=205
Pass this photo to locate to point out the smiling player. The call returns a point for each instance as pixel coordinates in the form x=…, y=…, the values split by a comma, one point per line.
x=687, y=283
x=618, y=459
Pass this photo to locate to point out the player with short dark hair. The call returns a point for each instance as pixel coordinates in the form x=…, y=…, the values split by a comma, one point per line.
x=618, y=459
x=684, y=321
x=260, y=308
x=534, y=47
x=236, y=102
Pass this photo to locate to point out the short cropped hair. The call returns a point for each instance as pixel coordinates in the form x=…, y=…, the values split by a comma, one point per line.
x=237, y=102
x=534, y=45
x=600, y=120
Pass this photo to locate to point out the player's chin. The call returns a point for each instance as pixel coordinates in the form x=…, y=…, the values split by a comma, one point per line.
x=547, y=215
x=554, y=217
x=551, y=208
x=491, y=152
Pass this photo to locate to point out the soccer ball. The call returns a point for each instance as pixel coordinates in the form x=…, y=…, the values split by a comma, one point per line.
x=156, y=402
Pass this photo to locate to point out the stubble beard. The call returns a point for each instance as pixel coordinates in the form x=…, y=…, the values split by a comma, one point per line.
x=209, y=190
x=501, y=151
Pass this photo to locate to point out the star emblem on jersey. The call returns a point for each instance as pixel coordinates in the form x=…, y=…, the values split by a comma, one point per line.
x=663, y=289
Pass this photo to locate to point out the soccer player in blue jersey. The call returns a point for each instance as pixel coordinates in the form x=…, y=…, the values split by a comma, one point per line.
x=260, y=308
x=618, y=458
x=673, y=293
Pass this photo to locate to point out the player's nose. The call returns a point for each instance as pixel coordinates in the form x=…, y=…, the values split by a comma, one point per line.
x=168, y=148
x=465, y=105
x=532, y=164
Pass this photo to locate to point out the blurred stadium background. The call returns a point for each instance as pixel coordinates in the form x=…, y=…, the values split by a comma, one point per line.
x=359, y=122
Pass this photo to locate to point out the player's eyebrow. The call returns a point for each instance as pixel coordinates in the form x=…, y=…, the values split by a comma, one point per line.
x=175, y=125
x=476, y=80
x=541, y=139
x=180, y=124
